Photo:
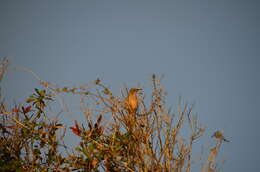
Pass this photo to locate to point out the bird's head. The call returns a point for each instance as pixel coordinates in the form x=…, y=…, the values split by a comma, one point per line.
x=134, y=90
x=217, y=134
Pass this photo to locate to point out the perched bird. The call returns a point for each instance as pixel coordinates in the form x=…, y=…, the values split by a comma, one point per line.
x=131, y=101
x=219, y=135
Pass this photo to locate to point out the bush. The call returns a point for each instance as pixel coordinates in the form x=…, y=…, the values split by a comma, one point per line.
x=144, y=139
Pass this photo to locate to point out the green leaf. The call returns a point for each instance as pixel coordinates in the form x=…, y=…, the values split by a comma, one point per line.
x=37, y=91
x=30, y=99
x=78, y=149
x=48, y=98
x=42, y=93
x=106, y=91
x=36, y=151
x=85, y=152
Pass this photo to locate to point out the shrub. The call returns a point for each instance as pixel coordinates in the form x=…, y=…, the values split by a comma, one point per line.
x=113, y=138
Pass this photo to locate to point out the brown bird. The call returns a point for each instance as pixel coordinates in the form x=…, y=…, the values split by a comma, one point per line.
x=131, y=101
x=218, y=135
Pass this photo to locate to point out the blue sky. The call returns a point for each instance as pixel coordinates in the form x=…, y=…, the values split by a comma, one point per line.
x=207, y=51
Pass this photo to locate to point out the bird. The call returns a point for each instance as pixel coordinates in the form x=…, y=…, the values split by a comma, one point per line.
x=131, y=101
x=219, y=135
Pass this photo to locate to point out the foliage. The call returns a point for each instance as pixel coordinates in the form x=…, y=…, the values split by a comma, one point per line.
x=111, y=139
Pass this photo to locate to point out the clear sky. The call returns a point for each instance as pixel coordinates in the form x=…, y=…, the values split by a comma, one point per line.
x=207, y=50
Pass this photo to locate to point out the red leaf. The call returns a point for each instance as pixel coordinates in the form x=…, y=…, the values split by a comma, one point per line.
x=75, y=129
x=27, y=109
x=13, y=127
x=15, y=110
